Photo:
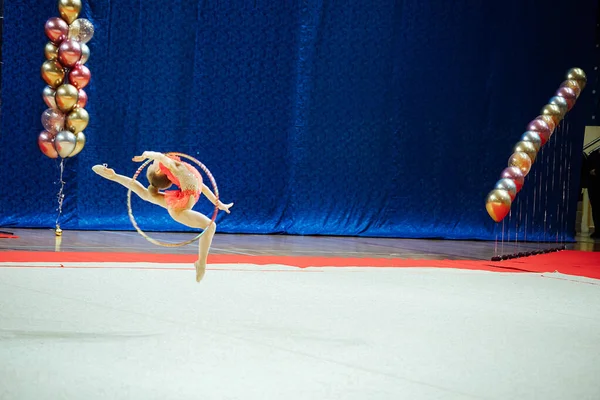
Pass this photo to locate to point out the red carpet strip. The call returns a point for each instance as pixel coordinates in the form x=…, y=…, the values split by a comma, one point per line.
x=577, y=263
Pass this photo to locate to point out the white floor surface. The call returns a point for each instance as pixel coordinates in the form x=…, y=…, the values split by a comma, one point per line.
x=248, y=332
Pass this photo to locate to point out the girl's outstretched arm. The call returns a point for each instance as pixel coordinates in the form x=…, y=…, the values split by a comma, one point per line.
x=213, y=199
x=160, y=157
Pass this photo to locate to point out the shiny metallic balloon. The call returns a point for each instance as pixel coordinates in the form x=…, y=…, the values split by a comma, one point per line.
x=53, y=120
x=51, y=51
x=77, y=120
x=48, y=96
x=66, y=97
x=69, y=52
x=53, y=73
x=514, y=174
x=69, y=9
x=509, y=185
x=542, y=128
x=549, y=121
x=64, y=143
x=527, y=148
x=80, y=76
x=561, y=103
x=520, y=160
x=46, y=144
x=573, y=84
x=56, y=30
x=568, y=94
x=81, y=30
x=534, y=138
x=577, y=74
x=82, y=99
x=85, y=53
x=79, y=145
x=552, y=111
x=497, y=204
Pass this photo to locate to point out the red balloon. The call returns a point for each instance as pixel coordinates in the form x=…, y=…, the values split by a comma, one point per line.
x=542, y=128
x=515, y=175
x=46, y=144
x=56, y=29
x=69, y=52
x=80, y=76
x=83, y=99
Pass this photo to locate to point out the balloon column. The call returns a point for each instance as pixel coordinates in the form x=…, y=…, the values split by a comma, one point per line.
x=538, y=133
x=66, y=76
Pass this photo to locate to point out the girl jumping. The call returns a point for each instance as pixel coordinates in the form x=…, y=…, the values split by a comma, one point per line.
x=162, y=173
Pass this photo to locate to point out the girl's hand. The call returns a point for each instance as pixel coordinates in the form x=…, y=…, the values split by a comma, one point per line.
x=147, y=154
x=225, y=207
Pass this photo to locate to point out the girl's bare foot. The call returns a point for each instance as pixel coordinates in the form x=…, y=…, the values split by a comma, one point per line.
x=200, y=270
x=104, y=171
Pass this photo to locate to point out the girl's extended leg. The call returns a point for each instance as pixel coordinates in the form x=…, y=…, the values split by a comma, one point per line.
x=127, y=182
x=194, y=219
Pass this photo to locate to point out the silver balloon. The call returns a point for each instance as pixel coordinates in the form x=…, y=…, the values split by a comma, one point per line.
x=64, y=143
x=81, y=30
x=509, y=185
x=561, y=103
x=85, y=53
x=533, y=137
x=48, y=96
x=53, y=120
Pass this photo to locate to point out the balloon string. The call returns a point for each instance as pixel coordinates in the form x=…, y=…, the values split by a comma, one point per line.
x=60, y=194
x=552, y=170
x=496, y=243
x=546, y=179
x=526, y=214
x=540, y=194
x=518, y=225
x=502, y=248
x=560, y=182
x=508, y=227
x=568, y=195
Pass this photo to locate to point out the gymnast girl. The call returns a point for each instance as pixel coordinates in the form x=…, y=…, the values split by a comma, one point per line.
x=163, y=172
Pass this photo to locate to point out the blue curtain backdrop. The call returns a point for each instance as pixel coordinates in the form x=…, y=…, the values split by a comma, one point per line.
x=379, y=117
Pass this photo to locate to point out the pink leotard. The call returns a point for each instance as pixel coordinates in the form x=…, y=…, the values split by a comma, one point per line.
x=179, y=199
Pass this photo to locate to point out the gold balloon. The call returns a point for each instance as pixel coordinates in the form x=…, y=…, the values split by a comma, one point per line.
x=553, y=111
x=498, y=204
x=66, y=97
x=550, y=121
x=577, y=74
x=51, y=51
x=528, y=148
x=69, y=9
x=573, y=84
x=53, y=73
x=79, y=144
x=77, y=120
x=85, y=53
x=520, y=160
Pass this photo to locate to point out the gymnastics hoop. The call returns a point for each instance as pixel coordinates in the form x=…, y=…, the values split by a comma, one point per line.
x=158, y=242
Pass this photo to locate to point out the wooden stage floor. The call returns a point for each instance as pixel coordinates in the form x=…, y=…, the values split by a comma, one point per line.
x=276, y=245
